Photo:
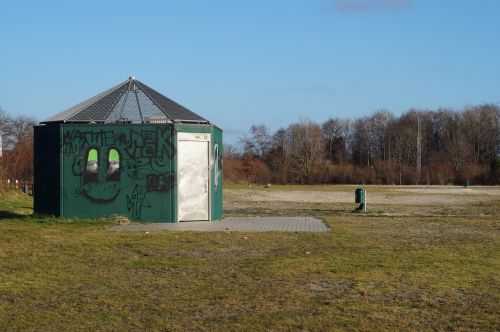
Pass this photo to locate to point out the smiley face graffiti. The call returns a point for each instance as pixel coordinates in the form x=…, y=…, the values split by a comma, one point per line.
x=100, y=181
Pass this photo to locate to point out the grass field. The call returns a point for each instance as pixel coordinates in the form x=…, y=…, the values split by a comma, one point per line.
x=419, y=259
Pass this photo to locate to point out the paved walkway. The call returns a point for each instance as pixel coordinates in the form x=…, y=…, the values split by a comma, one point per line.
x=234, y=224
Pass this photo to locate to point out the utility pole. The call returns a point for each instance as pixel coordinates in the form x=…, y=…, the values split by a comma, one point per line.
x=419, y=150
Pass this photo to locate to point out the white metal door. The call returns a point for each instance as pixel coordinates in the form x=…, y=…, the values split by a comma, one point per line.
x=193, y=180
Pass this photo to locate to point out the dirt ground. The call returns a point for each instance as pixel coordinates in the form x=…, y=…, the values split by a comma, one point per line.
x=385, y=195
x=442, y=201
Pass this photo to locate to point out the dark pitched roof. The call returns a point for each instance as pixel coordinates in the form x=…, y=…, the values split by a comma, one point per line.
x=132, y=102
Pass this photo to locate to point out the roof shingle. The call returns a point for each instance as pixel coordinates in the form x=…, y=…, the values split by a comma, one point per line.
x=131, y=101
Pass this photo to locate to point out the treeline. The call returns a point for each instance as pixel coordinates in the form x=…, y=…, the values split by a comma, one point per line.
x=16, y=162
x=419, y=147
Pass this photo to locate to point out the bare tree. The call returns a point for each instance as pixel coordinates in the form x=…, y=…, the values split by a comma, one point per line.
x=378, y=140
x=17, y=134
x=231, y=151
x=305, y=143
x=480, y=129
x=361, y=143
x=4, y=125
x=336, y=132
x=258, y=143
x=278, y=156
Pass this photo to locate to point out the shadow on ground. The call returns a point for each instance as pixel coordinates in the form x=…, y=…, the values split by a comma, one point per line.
x=12, y=215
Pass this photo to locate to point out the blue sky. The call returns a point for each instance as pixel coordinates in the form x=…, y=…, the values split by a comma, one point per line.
x=243, y=62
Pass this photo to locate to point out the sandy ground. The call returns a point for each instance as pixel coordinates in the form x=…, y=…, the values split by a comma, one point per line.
x=386, y=195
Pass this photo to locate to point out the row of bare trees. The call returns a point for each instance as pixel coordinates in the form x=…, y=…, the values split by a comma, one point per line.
x=418, y=147
x=16, y=162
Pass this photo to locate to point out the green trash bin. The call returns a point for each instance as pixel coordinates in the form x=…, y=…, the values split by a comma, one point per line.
x=359, y=195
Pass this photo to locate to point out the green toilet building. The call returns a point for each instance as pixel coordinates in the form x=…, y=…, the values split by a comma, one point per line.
x=129, y=151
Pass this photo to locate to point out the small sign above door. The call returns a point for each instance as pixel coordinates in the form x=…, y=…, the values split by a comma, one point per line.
x=200, y=137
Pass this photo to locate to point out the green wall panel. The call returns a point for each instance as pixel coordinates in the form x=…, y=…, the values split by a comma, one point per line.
x=193, y=128
x=216, y=166
x=138, y=185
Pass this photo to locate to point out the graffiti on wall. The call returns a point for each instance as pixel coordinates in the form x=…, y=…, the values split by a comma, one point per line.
x=95, y=188
x=217, y=162
x=108, y=163
x=160, y=182
x=136, y=201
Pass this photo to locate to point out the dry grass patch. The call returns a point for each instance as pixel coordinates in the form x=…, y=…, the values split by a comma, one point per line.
x=405, y=271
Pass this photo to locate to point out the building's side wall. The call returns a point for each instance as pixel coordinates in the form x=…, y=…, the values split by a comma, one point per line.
x=145, y=185
x=47, y=183
x=216, y=167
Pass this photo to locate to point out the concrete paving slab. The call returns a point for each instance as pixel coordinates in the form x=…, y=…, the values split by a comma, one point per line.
x=234, y=224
